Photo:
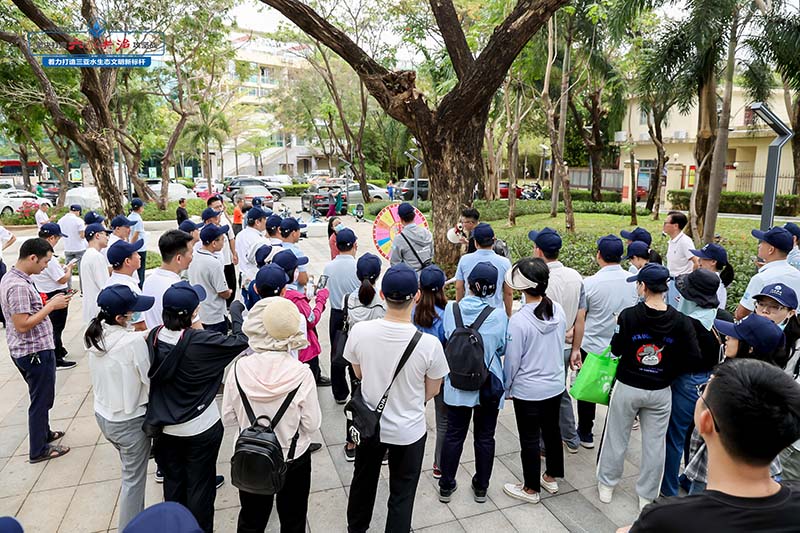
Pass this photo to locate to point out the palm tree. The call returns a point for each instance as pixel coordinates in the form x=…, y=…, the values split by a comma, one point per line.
x=209, y=126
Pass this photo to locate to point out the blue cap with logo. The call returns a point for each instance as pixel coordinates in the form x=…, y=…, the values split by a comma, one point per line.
x=257, y=201
x=288, y=261
x=346, y=237
x=256, y=213
x=485, y=274
x=547, y=240
x=121, y=250
x=274, y=221
x=610, y=247
x=120, y=221
x=653, y=275
x=93, y=229
x=183, y=297
x=93, y=218
x=405, y=210
x=712, y=251
x=638, y=235
x=778, y=237
x=759, y=332
x=262, y=254
x=136, y=203
x=271, y=276
x=291, y=224
x=211, y=231
x=188, y=226
x=368, y=266
x=51, y=229
x=76, y=207
x=783, y=294
x=120, y=299
x=432, y=278
x=399, y=283
x=638, y=249
x=483, y=234
x=209, y=213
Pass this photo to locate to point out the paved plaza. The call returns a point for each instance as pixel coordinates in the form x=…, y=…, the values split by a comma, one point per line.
x=79, y=492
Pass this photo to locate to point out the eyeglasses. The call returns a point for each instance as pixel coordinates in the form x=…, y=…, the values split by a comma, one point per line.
x=770, y=308
x=701, y=388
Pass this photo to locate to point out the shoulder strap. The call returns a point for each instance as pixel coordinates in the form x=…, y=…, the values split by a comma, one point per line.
x=406, y=354
x=247, y=407
x=457, y=315
x=284, y=406
x=413, y=251
x=482, y=317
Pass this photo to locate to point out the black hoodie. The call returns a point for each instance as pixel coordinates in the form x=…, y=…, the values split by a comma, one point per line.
x=185, y=377
x=653, y=346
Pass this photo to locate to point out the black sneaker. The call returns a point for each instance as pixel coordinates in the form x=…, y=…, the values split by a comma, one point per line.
x=219, y=481
x=349, y=454
x=385, y=460
x=478, y=494
x=65, y=365
x=314, y=447
x=445, y=495
x=324, y=381
x=159, y=476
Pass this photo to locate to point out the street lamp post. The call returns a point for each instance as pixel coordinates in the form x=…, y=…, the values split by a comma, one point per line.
x=773, y=160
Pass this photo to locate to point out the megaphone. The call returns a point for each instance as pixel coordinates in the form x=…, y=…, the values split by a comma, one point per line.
x=454, y=235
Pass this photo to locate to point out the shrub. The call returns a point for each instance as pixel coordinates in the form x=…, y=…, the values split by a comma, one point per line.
x=378, y=183
x=585, y=195
x=194, y=206
x=295, y=190
x=739, y=202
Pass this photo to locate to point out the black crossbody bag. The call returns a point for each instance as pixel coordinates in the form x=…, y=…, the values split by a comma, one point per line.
x=366, y=423
x=422, y=263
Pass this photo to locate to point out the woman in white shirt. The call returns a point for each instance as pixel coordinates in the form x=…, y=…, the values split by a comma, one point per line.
x=119, y=362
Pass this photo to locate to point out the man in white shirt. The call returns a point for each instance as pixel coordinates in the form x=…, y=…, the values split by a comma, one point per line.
x=679, y=251
x=121, y=230
x=72, y=226
x=94, y=269
x=139, y=234
x=248, y=240
x=54, y=280
x=230, y=258
x=6, y=240
x=207, y=271
x=125, y=260
x=41, y=215
x=176, y=256
x=773, y=247
x=375, y=348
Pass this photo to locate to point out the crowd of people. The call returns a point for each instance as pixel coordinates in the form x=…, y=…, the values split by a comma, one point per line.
x=235, y=310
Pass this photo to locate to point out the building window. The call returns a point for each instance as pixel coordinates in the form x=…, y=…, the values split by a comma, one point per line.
x=642, y=117
x=265, y=76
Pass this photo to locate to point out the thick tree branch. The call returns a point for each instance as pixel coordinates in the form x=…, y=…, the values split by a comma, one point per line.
x=454, y=39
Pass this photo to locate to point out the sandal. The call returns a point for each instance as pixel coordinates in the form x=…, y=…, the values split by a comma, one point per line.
x=52, y=452
x=55, y=435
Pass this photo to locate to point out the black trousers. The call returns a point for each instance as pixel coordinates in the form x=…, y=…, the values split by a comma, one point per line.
x=532, y=418
x=586, y=411
x=338, y=379
x=484, y=426
x=405, y=465
x=292, y=501
x=39, y=372
x=59, y=320
x=189, y=465
x=142, y=268
x=230, y=281
x=3, y=270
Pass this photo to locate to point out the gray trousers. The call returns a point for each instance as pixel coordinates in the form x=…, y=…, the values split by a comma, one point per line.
x=653, y=408
x=440, y=410
x=69, y=256
x=790, y=464
x=134, y=451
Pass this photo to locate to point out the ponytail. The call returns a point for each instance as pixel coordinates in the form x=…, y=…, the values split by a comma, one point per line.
x=544, y=311
x=726, y=274
x=654, y=257
x=367, y=291
x=94, y=332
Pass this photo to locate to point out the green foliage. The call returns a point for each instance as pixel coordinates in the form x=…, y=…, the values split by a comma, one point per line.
x=498, y=209
x=586, y=195
x=153, y=260
x=740, y=202
x=194, y=206
x=295, y=190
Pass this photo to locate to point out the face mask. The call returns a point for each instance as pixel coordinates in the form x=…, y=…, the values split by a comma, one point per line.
x=338, y=227
x=296, y=275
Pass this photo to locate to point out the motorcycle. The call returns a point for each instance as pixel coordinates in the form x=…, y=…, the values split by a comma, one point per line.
x=532, y=192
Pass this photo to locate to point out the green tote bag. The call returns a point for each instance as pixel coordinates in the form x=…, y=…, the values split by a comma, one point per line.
x=594, y=381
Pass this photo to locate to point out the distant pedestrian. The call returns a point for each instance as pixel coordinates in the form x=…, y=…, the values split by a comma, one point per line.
x=679, y=256
x=390, y=189
x=414, y=244
x=138, y=233
x=238, y=215
x=334, y=225
x=94, y=270
x=331, y=204
x=41, y=215
x=181, y=213
x=72, y=226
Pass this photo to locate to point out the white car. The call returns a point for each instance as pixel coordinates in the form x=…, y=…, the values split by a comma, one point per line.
x=12, y=199
x=175, y=192
x=86, y=197
x=281, y=179
x=374, y=191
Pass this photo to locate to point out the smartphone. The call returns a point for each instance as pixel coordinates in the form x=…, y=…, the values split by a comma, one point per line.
x=71, y=293
x=323, y=281
x=72, y=261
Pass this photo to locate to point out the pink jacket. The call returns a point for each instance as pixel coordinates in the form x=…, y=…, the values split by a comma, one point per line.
x=312, y=317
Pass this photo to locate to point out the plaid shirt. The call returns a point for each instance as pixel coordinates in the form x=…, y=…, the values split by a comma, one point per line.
x=19, y=296
x=697, y=469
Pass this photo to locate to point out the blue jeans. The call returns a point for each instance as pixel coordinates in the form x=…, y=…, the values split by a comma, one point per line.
x=40, y=374
x=142, y=268
x=484, y=425
x=684, y=398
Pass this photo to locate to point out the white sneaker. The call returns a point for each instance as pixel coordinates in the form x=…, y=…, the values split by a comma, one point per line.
x=635, y=425
x=570, y=449
x=606, y=493
x=644, y=502
x=515, y=490
x=549, y=486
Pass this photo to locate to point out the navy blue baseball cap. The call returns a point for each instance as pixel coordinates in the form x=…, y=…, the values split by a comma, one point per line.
x=346, y=237
x=405, y=210
x=256, y=213
x=51, y=229
x=288, y=261
x=209, y=212
x=183, y=297
x=778, y=237
x=93, y=229
x=75, y=207
x=121, y=250
x=638, y=235
x=638, y=249
x=653, y=275
x=136, y=203
x=212, y=231
x=792, y=228
x=271, y=276
x=368, y=266
x=274, y=221
x=291, y=224
x=432, y=278
x=262, y=254
x=93, y=218
x=483, y=234
x=120, y=221
x=257, y=202
x=483, y=273
x=759, y=332
x=188, y=226
x=712, y=251
x=548, y=239
x=120, y=299
x=399, y=283
x=783, y=294
x=610, y=246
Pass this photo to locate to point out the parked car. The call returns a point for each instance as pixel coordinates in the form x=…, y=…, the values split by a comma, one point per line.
x=201, y=189
x=86, y=197
x=175, y=192
x=375, y=192
x=233, y=187
x=53, y=187
x=319, y=176
x=504, y=190
x=641, y=193
x=248, y=192
x=12, y=199
x=283, y=179
x=316, y=197
x=407, y=189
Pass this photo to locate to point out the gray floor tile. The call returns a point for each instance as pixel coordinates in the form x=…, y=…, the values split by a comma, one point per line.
x=578, y=514
x=91, y=509
x=38, y=518
x=19, y=476
x=533, y=518
x=493, y=521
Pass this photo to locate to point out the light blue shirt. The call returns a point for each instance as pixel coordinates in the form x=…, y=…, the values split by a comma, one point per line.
x=301, y=268
x=607, y=294
x=139, y=226
x=794, y=258
x=493, y=333
x=342, y=279
x=437, y=329
x=468, y=262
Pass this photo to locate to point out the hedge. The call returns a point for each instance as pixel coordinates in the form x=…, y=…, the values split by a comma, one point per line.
x=739, y=202
x=498, y=209
x=151, y=212
x=586, y=196
x=295, y=190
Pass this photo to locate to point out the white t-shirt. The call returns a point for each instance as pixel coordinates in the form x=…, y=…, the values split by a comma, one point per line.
x=773, y=272
x=118, y=278
x=72, y=226
x=245, y=241
x=138, y=228
x=227, y=255
x=679, y=255
x=155, y=285
x=41, y=218
x=377, y=345
x=94, y=276
x=5, y=236
x=47, y=281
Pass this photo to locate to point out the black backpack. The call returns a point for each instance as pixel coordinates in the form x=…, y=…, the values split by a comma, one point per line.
x=464, y=352
x=257, y=465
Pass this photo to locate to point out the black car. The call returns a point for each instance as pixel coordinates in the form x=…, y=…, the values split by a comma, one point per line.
x=406, y=190
x=233, y=187
x=316, y=197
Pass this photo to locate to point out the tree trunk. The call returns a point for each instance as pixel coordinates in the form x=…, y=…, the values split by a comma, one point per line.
x=720, y=156
x=491, y=184
x=561, y=174
x=221, y=165
x=207, y=165
x=703, y=150
x=597, y=146
x=596, y=156
x=655, y=131
x=167, y=159
x=63, y=177
x=101, y=163
x=513, y=160
x=236, y=154
x=634, y=217
x=26, y=172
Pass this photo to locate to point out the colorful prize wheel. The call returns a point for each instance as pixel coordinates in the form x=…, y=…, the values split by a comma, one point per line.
x=387, y=226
